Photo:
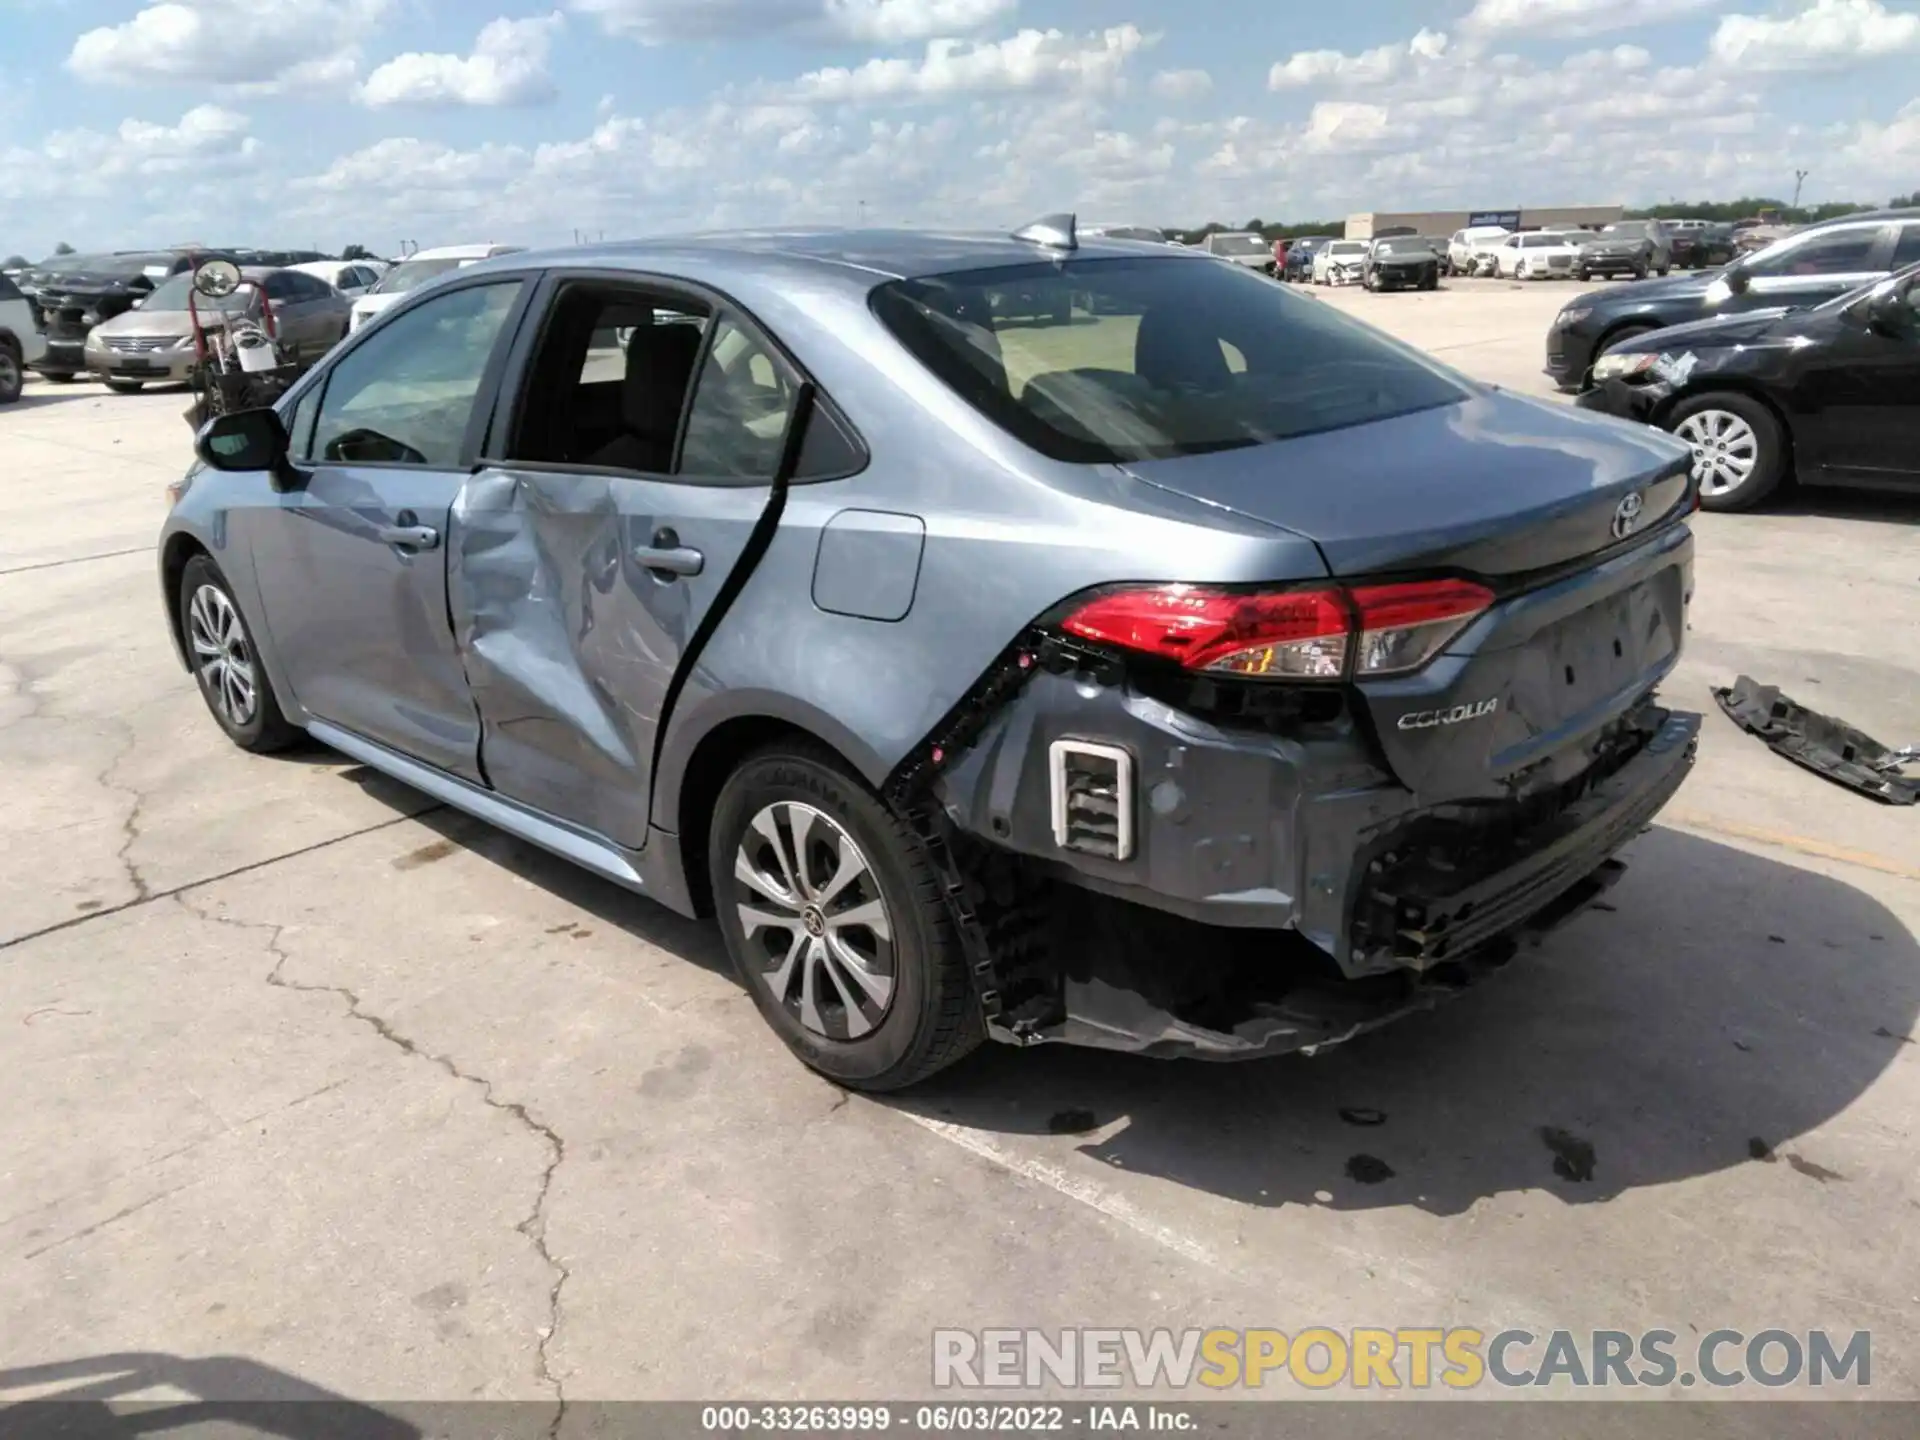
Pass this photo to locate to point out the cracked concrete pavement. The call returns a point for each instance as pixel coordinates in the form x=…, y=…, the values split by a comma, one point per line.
x=313, y=1075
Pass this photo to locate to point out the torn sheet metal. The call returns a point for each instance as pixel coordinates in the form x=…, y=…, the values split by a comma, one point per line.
x=1822, y=744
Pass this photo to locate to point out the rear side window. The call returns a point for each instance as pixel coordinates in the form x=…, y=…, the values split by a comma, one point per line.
x=1117, y=360
x=405, y=394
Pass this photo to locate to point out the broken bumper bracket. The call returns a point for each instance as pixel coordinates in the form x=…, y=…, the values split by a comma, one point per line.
x=1822, y=744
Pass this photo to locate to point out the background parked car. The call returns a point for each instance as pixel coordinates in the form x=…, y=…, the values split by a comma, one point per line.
x=1438, y=244
x=1536, y=255
x=1627, y=247
x=1810, y=266
x=1829, y=394
x=155, y=342
x=21, y=343
x=1461, y=249
x=73, y=293
x=352, y=278
x=1400, y=263
x=417, y=269
x=1242, y=247
x=1339, y=262
x=1300, y=256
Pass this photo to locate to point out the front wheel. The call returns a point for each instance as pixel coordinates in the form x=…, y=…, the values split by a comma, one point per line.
x=837, y=923
x=125, y=387
x=226, y=663
x=58, y=377
x=1739, y=448
x=12, y=377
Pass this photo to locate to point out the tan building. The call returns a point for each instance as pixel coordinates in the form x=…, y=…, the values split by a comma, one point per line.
x=1444, y=222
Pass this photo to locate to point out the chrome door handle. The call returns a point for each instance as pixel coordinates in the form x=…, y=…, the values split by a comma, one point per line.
x=411, y=537
x=670, y=560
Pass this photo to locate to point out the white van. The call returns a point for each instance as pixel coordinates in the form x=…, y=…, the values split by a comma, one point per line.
x=1466, y=247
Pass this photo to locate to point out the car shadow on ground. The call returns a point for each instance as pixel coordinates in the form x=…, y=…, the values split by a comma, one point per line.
x=108, y=1397
x=1725, y=1006
x=1716, y=1007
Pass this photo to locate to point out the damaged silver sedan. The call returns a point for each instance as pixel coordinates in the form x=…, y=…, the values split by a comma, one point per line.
x=1001, y=636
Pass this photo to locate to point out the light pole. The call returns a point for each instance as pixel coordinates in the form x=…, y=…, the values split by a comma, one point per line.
x=1799, y=179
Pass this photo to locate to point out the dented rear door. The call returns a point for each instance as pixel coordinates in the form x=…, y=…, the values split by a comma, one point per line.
x=576, y=595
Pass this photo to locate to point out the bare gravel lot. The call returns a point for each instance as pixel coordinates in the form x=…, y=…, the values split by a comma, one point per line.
x=312, y=1083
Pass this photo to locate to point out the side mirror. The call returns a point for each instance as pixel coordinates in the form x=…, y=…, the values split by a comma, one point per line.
x=217, y=279
x=1737, y=279
x=1892, y=312
x=243, y=440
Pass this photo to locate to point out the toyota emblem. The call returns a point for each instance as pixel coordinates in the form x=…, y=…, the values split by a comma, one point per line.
x=1626, y=515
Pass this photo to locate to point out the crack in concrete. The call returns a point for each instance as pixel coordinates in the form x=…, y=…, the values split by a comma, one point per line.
x=130, y=824
x=75, y=560
x=250, y=866
x=534, y=1226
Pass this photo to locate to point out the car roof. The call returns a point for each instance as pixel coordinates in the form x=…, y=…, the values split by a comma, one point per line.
x=863, y=256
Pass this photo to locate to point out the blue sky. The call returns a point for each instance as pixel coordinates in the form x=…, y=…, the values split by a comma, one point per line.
x=376, y=121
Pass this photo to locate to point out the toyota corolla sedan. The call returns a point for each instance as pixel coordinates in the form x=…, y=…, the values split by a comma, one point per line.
x=1201, y=674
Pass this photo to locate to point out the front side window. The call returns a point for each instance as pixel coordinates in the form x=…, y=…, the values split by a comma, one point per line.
x=1155, y=357
x=1833, y=252
x=405, y=394
x=1906, y=250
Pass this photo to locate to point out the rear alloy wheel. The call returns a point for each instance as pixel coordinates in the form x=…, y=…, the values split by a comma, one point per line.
x=226, y=664
x=12, y=377
x=125, y=387
x=837, y=924
x=1739, y=449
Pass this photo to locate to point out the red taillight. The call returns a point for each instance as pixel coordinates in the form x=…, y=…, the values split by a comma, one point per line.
x=1301, y=634
x=1288, y=634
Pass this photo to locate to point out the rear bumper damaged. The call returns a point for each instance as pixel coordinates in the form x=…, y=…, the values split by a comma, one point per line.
x=1277, y=889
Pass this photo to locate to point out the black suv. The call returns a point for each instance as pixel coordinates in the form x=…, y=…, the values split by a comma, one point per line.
x=73, y=293
x=1805, y=268
x=1627, y=247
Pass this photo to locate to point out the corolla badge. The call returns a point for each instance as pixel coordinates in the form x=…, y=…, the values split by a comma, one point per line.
x=1626, y=515
x=1457, y=715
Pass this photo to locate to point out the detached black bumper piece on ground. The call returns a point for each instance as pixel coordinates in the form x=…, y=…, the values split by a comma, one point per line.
x=1824, y=745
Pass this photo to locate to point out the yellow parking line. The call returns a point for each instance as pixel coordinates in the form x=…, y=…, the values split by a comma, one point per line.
x=1785, y=840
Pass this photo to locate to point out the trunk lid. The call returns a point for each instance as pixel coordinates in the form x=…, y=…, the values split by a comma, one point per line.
x=1567, y=517
x=1496, y=485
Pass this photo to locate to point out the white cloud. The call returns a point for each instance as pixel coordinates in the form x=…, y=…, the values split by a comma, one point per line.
x=206, y=143
x=1888, y=154
x=1029, y=60
x=508, y=66
x=1830, y=34
x=244, y=46
x=655, y=22
x=1182, y=84
x=1369, y=67
x=1573, y=17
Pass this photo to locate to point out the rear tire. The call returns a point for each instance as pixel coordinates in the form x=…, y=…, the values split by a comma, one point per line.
x=1740, y=449
x=13, y=377
x=226, y=663
x=876, y=1003
x=126, y=387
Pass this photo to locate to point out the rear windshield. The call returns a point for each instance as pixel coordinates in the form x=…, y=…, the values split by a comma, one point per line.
x=1409, y=246
x=1141, y=359
x=154, y=266
x=1629, y=229
x=1239, y=245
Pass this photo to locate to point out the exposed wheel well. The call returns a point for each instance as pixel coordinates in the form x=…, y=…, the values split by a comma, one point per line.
x=716, y=757
x=173, y=565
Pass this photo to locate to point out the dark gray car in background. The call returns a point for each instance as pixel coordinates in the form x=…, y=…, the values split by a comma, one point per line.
x=1201, y=673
